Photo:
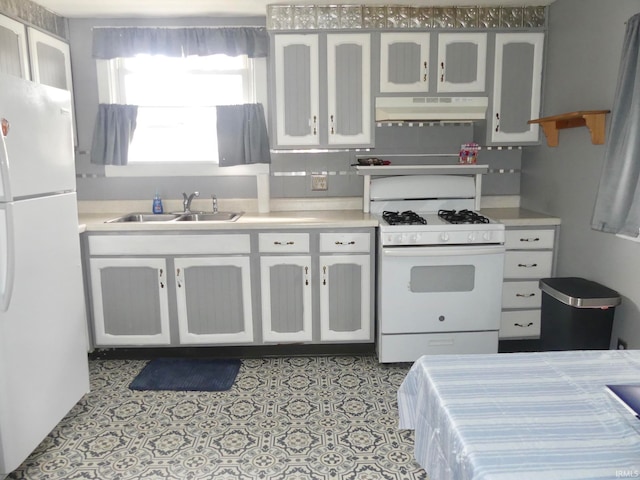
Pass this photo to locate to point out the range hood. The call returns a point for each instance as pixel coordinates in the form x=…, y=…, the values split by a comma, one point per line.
x=430, y=108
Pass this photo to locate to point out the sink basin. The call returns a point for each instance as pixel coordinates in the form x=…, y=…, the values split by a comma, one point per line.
x=209, y=217
x=145, y=217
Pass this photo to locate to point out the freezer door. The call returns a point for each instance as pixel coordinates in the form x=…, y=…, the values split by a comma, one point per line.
x=43, y=346
x=36, y=155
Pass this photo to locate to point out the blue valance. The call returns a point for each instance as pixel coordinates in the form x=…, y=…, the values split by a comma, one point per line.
x=115, y=42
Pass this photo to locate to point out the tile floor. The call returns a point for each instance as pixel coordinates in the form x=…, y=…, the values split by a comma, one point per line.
x=289, y=418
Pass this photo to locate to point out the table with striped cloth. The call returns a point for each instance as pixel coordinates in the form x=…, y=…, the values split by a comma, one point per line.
x=543, y=415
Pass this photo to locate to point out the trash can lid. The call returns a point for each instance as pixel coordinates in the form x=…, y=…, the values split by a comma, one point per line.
x=579, y=292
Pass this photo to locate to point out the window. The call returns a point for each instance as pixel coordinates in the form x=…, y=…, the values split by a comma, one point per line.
x=176, y=98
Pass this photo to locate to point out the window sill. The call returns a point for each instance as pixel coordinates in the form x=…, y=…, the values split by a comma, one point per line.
x=185, y=170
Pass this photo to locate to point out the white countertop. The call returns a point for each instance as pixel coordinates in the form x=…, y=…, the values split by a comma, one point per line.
x=520, y=217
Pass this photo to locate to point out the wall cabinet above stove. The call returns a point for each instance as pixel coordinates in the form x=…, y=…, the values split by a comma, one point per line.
x=322, y=90
x=407, y=64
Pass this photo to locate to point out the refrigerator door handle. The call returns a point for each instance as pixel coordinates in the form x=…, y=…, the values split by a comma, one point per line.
x=7, y=257
x=5, y=181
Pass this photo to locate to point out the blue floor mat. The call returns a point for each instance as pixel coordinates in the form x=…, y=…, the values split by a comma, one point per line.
x=187, y=374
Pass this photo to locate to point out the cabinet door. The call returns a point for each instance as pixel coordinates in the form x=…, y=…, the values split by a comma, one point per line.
x=349, y=89
x=13, y=48
x=130, y=302
x=462, y=60
x=297, y=89
x=286, y=298
x=516, y=87
x=404, y=62
x=214, y=300
x=345, y=294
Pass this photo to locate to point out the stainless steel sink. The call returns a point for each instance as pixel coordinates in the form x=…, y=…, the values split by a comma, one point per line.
x=210, y=217
x=145, y=217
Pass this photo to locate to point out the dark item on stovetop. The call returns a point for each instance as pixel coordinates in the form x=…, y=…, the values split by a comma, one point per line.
x=462, y=216
x=405, y=218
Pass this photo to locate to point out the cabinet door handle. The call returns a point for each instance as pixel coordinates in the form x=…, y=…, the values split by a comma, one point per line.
x=527, y=265
x=283, y=243
x=324, y=275
x=525, y=295
x=178, y=278
x=306, y=275
x=332, y=126
x=424, y=78
x=161, y=272
x=161, y=284
x=441, y=72
x=315, y=125
x=498, y=122
x=523, y=326
x=352, y=242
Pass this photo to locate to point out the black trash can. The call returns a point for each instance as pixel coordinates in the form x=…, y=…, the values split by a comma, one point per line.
x=577, y=314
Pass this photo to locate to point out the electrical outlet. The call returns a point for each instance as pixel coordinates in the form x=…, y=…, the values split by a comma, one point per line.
x=622, y=345
x=318, y=182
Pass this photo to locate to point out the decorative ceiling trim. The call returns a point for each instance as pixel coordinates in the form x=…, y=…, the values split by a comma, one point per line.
x=365, y=17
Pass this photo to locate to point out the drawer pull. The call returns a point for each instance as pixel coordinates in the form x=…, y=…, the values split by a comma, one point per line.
x=525, y=295
x=283, y=243
x=523, y=326
x=528, y=265
x=536, y=239
x=352, y=242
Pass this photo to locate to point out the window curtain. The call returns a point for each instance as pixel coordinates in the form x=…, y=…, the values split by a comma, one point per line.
x=113, y=133
x=617, y=207
x=242, y=135
x=116, y=42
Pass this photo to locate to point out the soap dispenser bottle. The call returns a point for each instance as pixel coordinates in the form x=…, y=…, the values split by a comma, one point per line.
x=157, y=204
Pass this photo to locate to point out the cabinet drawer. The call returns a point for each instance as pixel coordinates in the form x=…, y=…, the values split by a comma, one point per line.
x=521, y=295
x=283, y=242
x=520, y=324
x=527, y=264
x=168, y=244
x=345, y=242
x=529, y=239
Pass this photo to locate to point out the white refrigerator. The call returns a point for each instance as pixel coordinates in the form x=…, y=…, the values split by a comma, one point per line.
x=43, y=342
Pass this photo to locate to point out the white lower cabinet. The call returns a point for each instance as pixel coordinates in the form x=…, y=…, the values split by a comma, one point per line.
x=202, y=289
x=130, y=301
x=213, y=297
x=529, y=257
x=285, y=283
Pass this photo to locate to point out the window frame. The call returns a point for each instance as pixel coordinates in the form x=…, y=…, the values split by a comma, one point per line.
x=109, y=92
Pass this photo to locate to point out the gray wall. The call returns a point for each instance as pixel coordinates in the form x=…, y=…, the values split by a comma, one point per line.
x=290, y=172
x=583, y=53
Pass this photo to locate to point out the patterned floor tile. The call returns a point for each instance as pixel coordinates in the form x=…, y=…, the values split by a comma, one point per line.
x=292, y=418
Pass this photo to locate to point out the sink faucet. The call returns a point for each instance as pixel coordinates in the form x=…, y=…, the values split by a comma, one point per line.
x=215, y=203
x=186, y=201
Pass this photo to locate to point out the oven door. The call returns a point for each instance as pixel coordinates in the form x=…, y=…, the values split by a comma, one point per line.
x=440, y=289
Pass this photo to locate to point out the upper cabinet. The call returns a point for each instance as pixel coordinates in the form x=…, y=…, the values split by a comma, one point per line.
x=14, y=59
x=404, y=62
x=516, y=88
x=462, y=60
x=323, y=100
x=50, y=60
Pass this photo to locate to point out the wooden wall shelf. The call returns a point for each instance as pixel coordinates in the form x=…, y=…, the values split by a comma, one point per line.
x=594, y=120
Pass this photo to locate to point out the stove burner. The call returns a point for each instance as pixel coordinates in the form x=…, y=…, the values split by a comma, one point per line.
x=463, y=216
x=405, y=218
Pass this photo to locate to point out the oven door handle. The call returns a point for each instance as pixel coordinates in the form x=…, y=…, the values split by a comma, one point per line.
x=442, y=251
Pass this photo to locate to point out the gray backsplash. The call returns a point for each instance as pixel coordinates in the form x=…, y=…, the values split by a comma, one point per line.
x=401, y=144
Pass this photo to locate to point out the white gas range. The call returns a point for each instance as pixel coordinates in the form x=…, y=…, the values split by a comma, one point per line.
x=440, y=267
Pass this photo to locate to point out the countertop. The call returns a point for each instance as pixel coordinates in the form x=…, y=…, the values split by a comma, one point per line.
x=95, y=222
x=520, y=217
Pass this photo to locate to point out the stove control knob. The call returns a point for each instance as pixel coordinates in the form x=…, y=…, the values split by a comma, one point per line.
x=414, y=238
x=486, y=236
x=404, y=238
x=472, y=237
x=444, y=236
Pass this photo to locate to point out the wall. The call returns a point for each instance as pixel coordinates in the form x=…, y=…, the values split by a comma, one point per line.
x=290, y=172
x=584, y=45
